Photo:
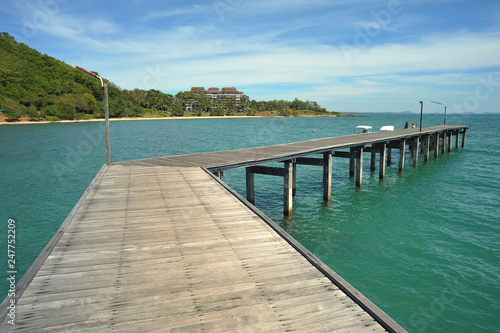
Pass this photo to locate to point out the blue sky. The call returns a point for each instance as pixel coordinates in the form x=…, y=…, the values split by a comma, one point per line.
x=349, y=56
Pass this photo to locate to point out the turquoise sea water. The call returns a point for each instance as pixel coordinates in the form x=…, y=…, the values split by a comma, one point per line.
x=422, y=245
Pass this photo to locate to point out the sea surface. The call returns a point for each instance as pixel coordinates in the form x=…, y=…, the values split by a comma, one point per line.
x=424, y=245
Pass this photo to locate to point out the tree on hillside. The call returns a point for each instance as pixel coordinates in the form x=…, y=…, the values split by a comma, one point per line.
x=11, y=109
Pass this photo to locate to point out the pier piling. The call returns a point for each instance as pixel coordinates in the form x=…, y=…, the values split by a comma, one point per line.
x=327, y=176
x=352, y=162
x=402, y=151
x=288, y=189
x=445, y=140
x=359, y=167
x=414, y=150
x=426, y=145
x=436, y=146
x=382, y=151
x=450, y=134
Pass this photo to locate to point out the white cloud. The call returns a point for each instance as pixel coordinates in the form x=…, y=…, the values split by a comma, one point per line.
x=179, y=11
x=291, y=47
x=189, y=60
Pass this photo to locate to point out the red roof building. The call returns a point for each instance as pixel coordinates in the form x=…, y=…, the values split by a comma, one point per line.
x=223, y=93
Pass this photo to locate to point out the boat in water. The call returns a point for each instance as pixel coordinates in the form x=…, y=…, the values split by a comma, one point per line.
x=362, y=129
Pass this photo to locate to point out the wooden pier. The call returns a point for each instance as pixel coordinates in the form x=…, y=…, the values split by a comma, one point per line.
x=438, y=138
x=164, y=245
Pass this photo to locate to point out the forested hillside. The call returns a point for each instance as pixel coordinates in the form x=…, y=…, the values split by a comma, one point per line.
x=37, y=86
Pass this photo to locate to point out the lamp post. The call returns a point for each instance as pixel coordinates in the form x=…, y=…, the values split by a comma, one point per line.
x=104, y=87
x=444, y=110
x=421, y=112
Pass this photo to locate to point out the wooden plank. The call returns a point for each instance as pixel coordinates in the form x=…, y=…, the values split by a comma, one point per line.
x=383, y=319
x=265, y=170
x=309, y=161
x=23, y=283
x=342, y=154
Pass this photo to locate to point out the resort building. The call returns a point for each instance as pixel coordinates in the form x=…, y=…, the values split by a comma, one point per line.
x=226, y=92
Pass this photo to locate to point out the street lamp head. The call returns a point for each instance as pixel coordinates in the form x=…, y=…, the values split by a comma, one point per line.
x=95, y=76
x=444, y=110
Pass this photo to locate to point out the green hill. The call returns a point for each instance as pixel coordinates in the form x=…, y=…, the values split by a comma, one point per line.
x=37, y=86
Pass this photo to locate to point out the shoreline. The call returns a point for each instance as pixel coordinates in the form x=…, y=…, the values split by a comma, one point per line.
x=30, y=122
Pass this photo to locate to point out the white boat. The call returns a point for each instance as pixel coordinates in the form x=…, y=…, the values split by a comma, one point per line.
x=362, y=129
x=386, y=128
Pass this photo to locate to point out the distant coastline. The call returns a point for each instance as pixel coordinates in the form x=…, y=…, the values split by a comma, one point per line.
x=24, y=121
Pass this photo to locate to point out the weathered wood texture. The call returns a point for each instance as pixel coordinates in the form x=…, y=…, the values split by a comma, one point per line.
x=172, y=249
x=223, y=160
x=402, y=150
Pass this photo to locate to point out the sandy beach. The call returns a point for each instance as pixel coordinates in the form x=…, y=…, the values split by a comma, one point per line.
x=26, y=121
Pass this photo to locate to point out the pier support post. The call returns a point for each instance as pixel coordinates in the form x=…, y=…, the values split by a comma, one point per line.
x=381, y=149
x=327, y=176
x=219, y=174
x=389, y=155
x=443, y=148
x=414, y=151
x=288, y=189
x=359, y=167
x=426, y=142
x=294, y=185
x=436, y=147
x=456, y=139
x=352, y=162
x=450, y=134
x=373, y=155
x=286, y=173
x=402, y=150
x=250, y=185
x=463, y=137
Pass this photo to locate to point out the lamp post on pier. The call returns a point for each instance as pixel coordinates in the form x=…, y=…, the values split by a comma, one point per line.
x=104, y=87
x=421, y=111
x=444, y=110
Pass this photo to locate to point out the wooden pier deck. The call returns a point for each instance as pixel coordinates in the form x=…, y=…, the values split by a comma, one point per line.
x=172, y=249
x=164, y=245
x=438, y=138
x=230, y=159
